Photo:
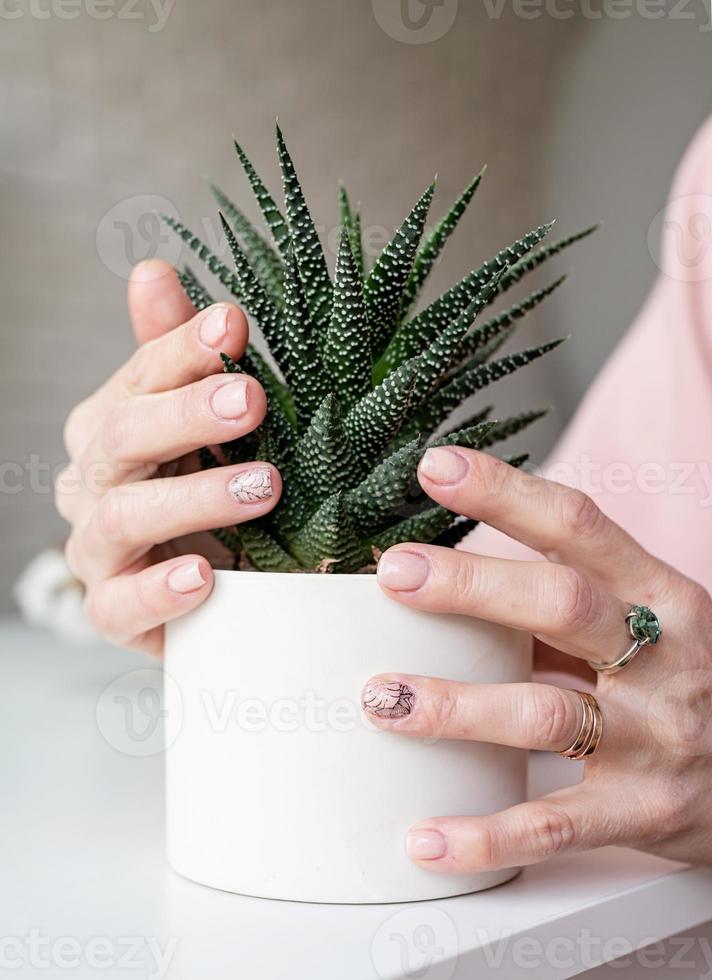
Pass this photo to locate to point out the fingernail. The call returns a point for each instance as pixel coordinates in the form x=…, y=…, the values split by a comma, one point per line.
x=386, y=699
x=229, y=401
x=251, y=486
x=443, y=465
x=185, y=578
x=425, y=845
x=213, y=326
x=403, y=571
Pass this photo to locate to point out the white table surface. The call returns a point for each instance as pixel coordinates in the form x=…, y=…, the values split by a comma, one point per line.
x=85, y=891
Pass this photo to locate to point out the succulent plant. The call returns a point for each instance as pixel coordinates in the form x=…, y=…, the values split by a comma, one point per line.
x=358, y=379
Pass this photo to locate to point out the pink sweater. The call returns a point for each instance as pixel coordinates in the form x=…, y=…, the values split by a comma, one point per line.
x=641, y=441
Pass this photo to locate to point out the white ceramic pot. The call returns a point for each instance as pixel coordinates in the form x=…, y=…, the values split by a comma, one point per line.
x=277, y=784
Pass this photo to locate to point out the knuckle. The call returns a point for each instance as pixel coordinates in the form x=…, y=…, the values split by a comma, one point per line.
x=580, y=517
x=446, y=715
x=72, y=555
x=111, y=517
x=98, y=613
x=137, y=368
x=116, y=430
x=74, y=426
x=465, y=577
x=553, y=717
x=574, y=599
x=63, y=491
x=497, y=474
x=548, y=830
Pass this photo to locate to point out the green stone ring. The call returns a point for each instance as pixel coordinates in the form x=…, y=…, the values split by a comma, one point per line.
x=644, y=626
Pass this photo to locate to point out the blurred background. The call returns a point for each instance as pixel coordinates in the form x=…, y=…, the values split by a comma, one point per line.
x=114, y=108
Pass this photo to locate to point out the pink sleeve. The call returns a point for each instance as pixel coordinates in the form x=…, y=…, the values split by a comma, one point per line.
x=641, y=441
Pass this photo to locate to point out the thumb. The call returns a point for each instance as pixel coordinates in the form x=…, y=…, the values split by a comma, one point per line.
x=157, y=302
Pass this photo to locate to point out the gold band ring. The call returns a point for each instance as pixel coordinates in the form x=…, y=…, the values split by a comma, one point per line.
x=589, y=735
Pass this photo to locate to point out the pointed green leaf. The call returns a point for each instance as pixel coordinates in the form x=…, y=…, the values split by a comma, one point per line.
x=305, y=243
x=431, y=249
x=347, y=351
x=218, y=268
x=376, y=418
x=458, y=530
x=413, y=336
x=270, y=212
x=230, y=539
x=376, y=499
x=262, y=257
x=302, y=365
x=329, y=539
x=533, y=261
x=351, y=222
x=495, y=325
x=511, y=426
x=384, y=287
x=420, y=528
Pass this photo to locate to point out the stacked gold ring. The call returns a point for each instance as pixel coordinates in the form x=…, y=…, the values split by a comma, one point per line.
x=589, y=735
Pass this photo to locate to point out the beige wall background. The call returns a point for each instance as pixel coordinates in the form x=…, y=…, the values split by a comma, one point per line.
x=581, y=118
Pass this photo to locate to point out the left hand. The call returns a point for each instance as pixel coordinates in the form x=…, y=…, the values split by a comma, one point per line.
x=649, y=782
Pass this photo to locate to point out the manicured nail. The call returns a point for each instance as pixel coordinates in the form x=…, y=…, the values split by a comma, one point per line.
x=213, y=326
x=251, y=486
x=229, y=401
x=425, y=845
x=403, y=571
x=185, y=578
x=387, y=699
x=444, y=465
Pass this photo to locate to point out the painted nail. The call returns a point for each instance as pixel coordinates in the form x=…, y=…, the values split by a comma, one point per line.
x=403, y=571
x=387, y=699
x=444, y=465
x=425, y=845
x=229, y=401
x=185, y=578
x=213, y=326
x=251, y=486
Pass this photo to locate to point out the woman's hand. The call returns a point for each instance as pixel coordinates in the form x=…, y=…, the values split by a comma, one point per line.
x=649, y=782
x=130, y=515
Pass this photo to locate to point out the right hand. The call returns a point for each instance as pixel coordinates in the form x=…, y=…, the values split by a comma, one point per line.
x=133, y=542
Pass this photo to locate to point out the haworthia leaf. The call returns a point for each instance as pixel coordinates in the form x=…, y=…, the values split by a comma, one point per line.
x=533, y=261
x=264, y=552
x=351, y=222
x=472, y=379
x=270, y=212
x=328, y=540
x=511, y=426
x=376, y=499
x=347, y=349
x=305, y=242
x=459, y=529
x=302, y=365
x=432, y=247
x=194, y=290
x=417, y=333
x=264, y=260
x=256, y=300
x=388, y=277
x=420, y=528
x=376, y=418
x=218, y=268
x=482, y=334
x=229, y=538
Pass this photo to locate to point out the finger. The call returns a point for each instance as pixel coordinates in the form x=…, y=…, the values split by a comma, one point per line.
x=186, y=354
x=525, y=716
x=563, y=524
x=577, y=818
x=157, y=301
x=128, y=610
x=556, y=603
x=144, y=431
x=132, y=518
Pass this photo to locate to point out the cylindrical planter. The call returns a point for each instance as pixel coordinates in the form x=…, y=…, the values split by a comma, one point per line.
x=277, y=784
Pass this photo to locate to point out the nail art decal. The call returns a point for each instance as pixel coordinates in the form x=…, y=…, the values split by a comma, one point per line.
x=251, y=486
x=392, y=700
